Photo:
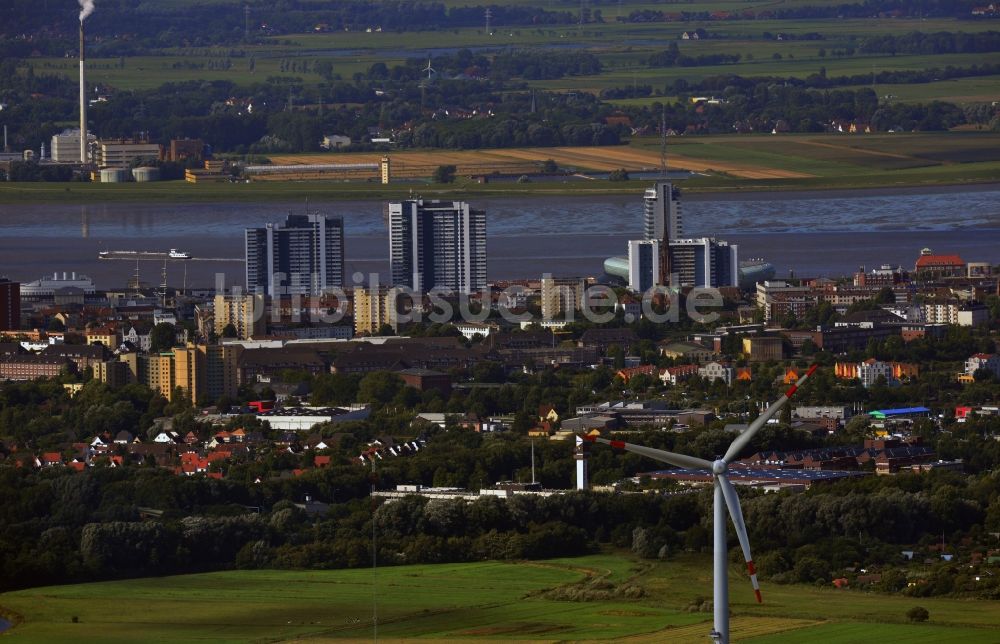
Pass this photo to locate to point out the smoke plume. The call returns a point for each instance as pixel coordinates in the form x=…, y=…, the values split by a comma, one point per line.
x=86, y=8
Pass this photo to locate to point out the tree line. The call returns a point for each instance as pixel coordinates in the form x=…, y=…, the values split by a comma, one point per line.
x=941, y=42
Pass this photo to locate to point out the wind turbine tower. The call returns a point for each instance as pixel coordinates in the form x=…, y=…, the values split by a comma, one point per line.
x=725, y=498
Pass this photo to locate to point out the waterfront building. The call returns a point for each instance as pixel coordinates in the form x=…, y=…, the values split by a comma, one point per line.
x=643, y=264
x=662, y=221
x=46, y=287
x=661, y=217
x=704, y=262
x=304, y=255
x=437, y=245
x=931, y=265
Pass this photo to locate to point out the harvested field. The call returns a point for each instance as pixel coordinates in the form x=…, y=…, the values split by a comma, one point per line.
x=412, y=163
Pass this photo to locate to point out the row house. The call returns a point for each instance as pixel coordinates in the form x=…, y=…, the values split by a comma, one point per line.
x=630, y=372
x=674, y=375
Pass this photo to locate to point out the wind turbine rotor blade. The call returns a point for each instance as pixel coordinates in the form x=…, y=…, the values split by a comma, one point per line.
x=733, y=503
x=680, y=460
x=744, y=439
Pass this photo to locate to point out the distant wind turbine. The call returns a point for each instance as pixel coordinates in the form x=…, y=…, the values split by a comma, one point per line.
x=429, y=69
x=725, y=496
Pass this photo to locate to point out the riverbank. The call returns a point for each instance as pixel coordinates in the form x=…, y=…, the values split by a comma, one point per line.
x=954, y=177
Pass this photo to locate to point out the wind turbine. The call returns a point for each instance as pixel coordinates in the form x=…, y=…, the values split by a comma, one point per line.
x=430, y=70
x=725, y=496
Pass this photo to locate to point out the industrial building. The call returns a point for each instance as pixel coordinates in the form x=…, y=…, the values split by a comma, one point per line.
x=120, y=153
x=65, y=146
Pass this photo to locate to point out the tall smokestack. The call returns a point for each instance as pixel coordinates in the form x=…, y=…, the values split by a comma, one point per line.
x=83, y=100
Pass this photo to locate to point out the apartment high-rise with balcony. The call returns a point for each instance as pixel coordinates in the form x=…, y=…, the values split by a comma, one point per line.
x=437, y=244
x=304, y=255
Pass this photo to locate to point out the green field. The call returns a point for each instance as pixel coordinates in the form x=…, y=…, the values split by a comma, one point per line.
x=480, y=601
x=622, y=48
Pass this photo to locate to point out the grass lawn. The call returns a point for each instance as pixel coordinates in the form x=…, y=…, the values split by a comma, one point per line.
x=481, y=601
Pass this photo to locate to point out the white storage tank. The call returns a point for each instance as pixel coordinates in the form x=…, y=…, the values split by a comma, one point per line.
x=114, y=175
x=146, y=173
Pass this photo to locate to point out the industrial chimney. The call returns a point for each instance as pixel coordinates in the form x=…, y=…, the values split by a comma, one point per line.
x=83, y=103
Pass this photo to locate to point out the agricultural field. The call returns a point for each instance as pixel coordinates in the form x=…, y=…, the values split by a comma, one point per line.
x=490, y=601
x=796, y=156
x=422, y=163
x=721, y=163
x=961, y=91
x=622, y=47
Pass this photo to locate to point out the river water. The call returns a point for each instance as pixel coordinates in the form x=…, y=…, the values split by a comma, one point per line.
x=821, y=233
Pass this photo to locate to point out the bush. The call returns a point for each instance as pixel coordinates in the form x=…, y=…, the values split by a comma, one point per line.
x=918, y=614
x=444, y=174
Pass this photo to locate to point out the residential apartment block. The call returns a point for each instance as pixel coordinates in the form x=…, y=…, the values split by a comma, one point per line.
x=304, y=255
x=437, y=245
x=244, y=311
